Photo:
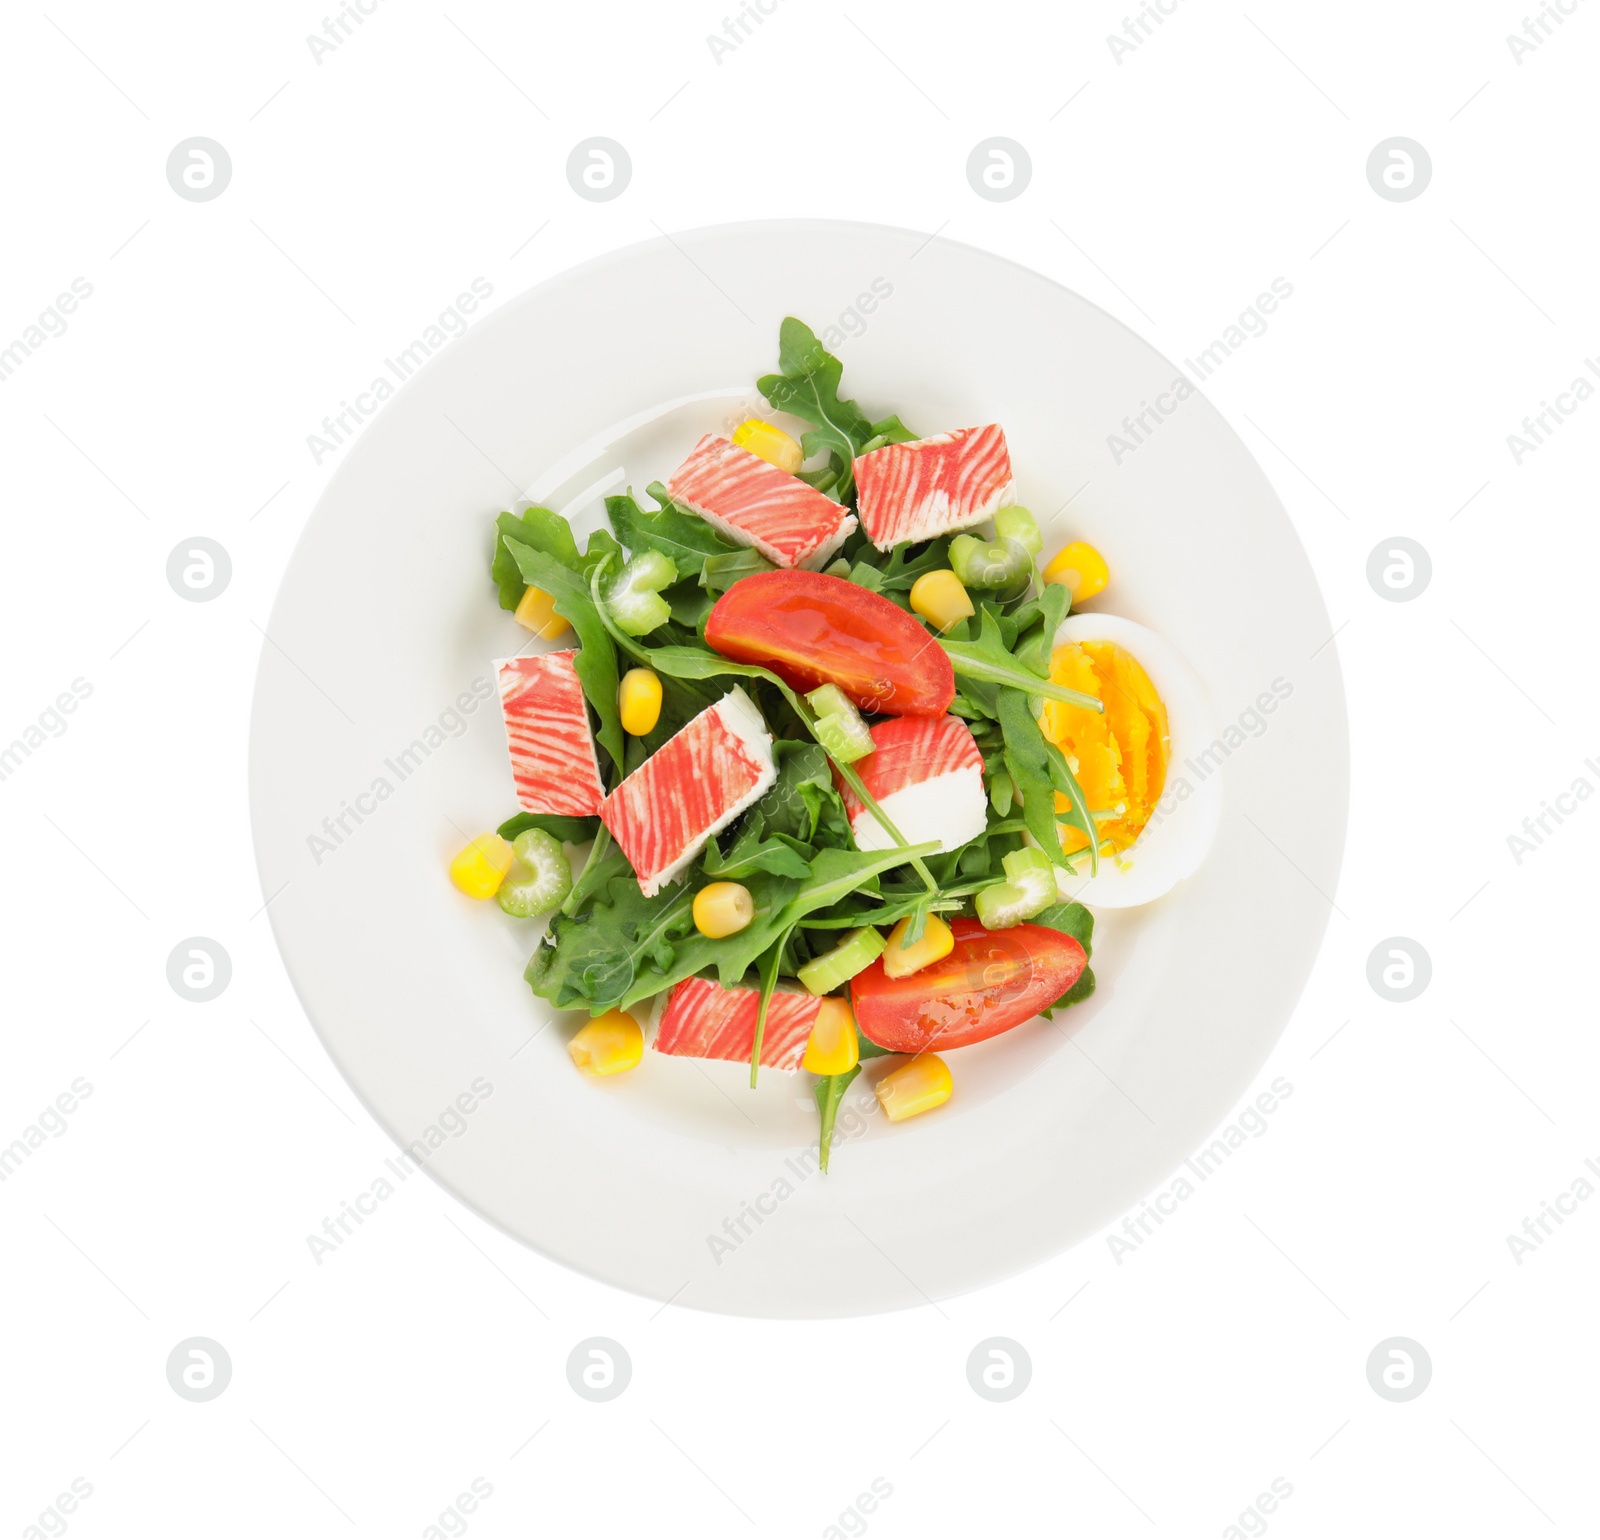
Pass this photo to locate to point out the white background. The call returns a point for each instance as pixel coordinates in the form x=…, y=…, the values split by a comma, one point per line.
x=1169, y=1388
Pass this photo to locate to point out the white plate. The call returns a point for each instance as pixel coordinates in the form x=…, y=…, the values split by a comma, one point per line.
x=676, y=1181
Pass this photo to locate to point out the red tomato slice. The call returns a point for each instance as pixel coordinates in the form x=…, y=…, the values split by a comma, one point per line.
x=811, y=629
x=993, y=980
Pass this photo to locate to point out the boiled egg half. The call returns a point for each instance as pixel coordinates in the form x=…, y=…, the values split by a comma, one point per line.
x=1142, y=762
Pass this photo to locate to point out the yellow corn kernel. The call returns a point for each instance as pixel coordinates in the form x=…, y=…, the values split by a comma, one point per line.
x=639, y=701
x=772, y=444
x=1081, y=568
x=919, y=1086
x=537, y=612
x=939, y=599
x=900, y=959
x=608, y=1045
x=832, y=1047
x=481, y=866
x=723, y=909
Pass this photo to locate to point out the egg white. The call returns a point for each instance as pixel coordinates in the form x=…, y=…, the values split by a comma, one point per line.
x=1183, y=826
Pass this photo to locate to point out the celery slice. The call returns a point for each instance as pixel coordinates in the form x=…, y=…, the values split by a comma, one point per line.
x=824, y=974
x=540, y=876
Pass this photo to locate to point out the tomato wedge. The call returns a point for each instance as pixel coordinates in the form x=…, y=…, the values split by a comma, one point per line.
x=993, y=980
x=811, y=629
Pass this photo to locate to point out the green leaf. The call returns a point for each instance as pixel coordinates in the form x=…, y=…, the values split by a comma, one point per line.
x=829, y=1091
x=670, y=530
x=596, y=663
x=903, y=569
x=807, y=386
x=750, y=853
x=985, y=660
x=574, y=831
x=767, y=971
x=1028, y=763
x=1073, y=920
x=626, y=947
x=1047, y=611
x=836, y=874
x=720, y=573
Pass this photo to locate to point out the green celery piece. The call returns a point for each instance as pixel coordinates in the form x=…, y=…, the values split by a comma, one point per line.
x=596, y=663
x=540, y=876
x=633, y=599
x=858, y=950
x=989, y=563
x=829, y=1091
x=671, y=531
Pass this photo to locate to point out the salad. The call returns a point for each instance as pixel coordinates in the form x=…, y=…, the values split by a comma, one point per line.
x=847, y=762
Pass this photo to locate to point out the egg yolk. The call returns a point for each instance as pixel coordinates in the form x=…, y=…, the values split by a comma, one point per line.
x=1119, y=756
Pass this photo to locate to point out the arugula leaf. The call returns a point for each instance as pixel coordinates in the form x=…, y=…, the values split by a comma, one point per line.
x=1075, y=921
x=986, y=661
x=808, y=387
x=544, y=531
x=574, y=831
x=1046, y=611
x=596, y=663
x=720, y=573
x=1028, y=763
x=902, y=569
x=691, y=605
x=627, y=947
x=767, y=971
x=749, y=853
x=829, y=1091
x=836, y=874
x=803, y=802
x=671, y=530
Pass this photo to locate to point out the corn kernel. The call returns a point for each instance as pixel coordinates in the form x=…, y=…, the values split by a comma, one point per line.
x=723, y=909
x=772, y=444
x=832, y=1048
x=899, y=960
x=639, y=701
x=1081, y=568
x=939, y=599
x=919, y=1086
x=608, y=1045
x=481, y=866
x=537, y=612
